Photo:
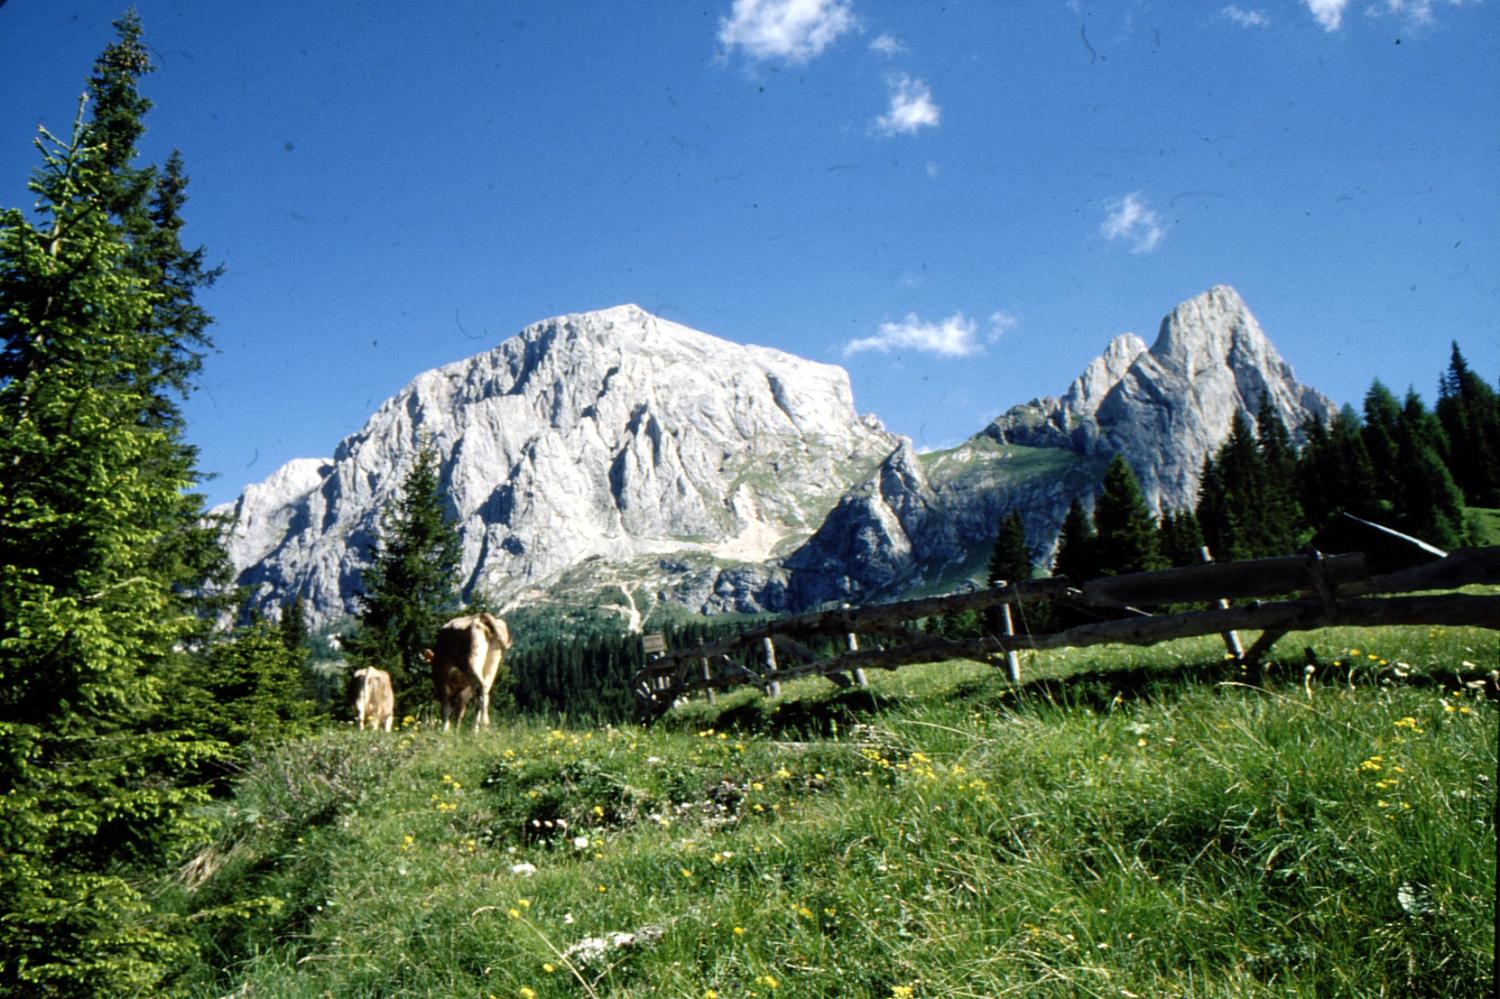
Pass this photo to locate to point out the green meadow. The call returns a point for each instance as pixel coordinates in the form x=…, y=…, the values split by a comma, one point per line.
x=1125, y=823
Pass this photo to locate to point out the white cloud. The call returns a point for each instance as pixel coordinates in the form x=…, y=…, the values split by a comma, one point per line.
x=1132, y=219
x=888, y=45
x=911, y=107
x=1001, y=323
x=793, y=30
x=1417, y=12
x=1245, y=18
x=933, y=169
x=956, y=336
x=1329, y=13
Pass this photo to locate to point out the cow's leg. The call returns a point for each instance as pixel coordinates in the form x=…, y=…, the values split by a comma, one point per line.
x=389, y=719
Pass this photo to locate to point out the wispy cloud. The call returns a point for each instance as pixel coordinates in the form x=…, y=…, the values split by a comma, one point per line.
x=911, y=108
x=1131, y=219
x=1001, y=323
x=790, y=30
x=956, y=336
x=888, y=45
x=1417, y=11
x=1329, y=13
x=1245, y=18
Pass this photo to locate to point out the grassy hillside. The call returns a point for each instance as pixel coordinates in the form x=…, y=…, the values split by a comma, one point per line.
x=1127, y=823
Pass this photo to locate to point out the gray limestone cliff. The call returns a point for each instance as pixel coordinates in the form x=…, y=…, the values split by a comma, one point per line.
x=1168, y=408
x=920, y=522
x=602, y=437
x=617, y=453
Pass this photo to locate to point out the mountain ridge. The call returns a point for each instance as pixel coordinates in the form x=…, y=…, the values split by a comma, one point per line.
x=732, y=477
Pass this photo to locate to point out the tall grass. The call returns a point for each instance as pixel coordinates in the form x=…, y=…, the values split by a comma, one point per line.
x=1128, y=823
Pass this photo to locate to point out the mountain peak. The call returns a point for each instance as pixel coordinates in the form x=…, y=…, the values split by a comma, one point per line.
x=613, y=435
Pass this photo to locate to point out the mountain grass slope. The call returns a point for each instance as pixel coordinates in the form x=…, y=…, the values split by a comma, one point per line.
x=1126, y=823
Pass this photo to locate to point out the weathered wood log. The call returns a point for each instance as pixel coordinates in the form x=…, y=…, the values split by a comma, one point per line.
x=1261, y=577
x=1333, y=579
x=1462, y=567
x=1453, y=610
x=882, y=618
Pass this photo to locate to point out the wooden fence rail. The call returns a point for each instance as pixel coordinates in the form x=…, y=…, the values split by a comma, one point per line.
x=1327, y=591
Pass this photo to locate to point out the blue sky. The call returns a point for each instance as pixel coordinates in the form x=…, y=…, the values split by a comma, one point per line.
x=961, y=202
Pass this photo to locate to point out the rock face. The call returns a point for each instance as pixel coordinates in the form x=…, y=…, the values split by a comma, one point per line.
x=1167, y=408
x=933, y=520
x=608, y=435
x=615, y=451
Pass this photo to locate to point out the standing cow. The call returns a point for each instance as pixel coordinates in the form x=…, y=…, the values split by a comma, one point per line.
x=373, y=699
x=465, y=661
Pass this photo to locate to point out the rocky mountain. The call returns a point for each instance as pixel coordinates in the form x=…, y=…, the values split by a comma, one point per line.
x=609, y=439
x=1165, y=409
x=622, y=458
x=931, y=521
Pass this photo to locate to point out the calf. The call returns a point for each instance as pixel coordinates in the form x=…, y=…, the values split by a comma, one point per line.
x=465, y=661
x=373, y=700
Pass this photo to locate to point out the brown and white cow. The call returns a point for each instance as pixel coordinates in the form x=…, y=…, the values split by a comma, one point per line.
x=465, y=661
x=373, y=699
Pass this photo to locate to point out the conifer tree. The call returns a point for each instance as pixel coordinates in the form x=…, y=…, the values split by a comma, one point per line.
x=1334, y=474
x=1231, y=495
x=294, y=624
x=1010, y=562
x=1428, y=503
x=1180, y=540
x=1470, y=413
x=1010, y=559
x=146, y=205
x=1125, y=529
x=411, y=584
x=93, y=485
x=1077, y=557
x=1382, y=437
x=1280, y=517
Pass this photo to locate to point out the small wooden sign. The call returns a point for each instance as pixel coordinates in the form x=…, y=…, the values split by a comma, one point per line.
x=654, y=644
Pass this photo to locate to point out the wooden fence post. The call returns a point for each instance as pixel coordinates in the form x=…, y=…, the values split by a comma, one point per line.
x=1231, y=638
x=708, y=676
x=851, y=642
x=773, y=688
x=1008, y=630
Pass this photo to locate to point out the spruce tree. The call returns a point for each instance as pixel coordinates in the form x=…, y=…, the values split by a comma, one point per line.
x=1010, y=559
x=1382, y=436
x=1179, y=538
x=294, y=625
x=1125, y=529
x=1470, y=413
x=93, y=486
x=411, y=583
x=1077, y=557
x=146, y=205
x=1428, y=503
x=1281, y=516
x=1216, y=521
x=1334, y=473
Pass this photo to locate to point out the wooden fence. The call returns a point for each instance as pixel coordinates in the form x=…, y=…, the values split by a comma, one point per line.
x=1326, y=591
